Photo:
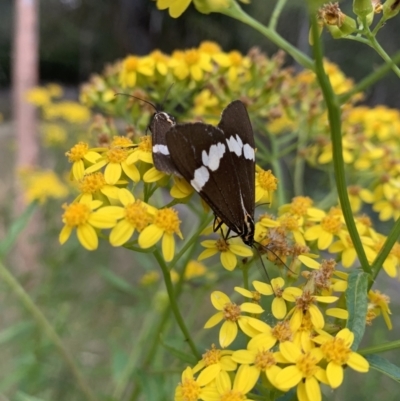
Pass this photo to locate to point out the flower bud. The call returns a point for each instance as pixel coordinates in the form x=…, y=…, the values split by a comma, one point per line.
x=391, y=8
x=212, y=6
x=362, y=8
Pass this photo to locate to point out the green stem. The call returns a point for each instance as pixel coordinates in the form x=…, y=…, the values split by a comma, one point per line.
x=334, y=115
x=277, y=170
x=276, y=13
x=48, y=330
x=245, y=275
x=298, y=175
x=174, y=304
x=379, y=25
x=380, y=348
x=236, y=12
x=384, y=252
x=371, y=79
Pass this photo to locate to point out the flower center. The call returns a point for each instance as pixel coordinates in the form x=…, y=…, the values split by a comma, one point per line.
x=290, y=223
x=120, y=141
x=212, y=356
x=77, y=152
x=233, y=395
x=168, y=220
x=190, y=390
x=331, y=224
x=131, y=63
x=282, y=332
x=231, y=312
x=192, y=57
x=136, y=214
x=222, y=245
x=267, y=180
x=75, y=214
x=145, y=143
x=264, y=360
x=117, y=155
x=303, y=303
x=92, y=183
x=300, y=205
x=336, y=350
x=307, y=365
x=235, y=58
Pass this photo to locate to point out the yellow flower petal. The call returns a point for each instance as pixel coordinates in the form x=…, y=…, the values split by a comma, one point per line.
x=219, y=300
x=334, y=373
x=87, y=236
x=358, y=362
x=131, y=171
x=214, y=320
x=121, y=233
x=112, y=173
x=312, y=389
x=150, y=236
x=228, y=260
x=227, y=333
x=288, y=377
x=65, y=234
x=168, y=247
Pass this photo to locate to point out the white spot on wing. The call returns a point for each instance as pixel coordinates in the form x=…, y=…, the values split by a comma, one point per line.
x=248, y=152
x=214, y=156
x=201, y=176
x=163, y=149
x=235, y=145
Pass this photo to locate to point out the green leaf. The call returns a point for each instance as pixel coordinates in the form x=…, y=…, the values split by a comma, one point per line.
x=117, y=281
x=183, y=356
x=17, y=226
x=357, y=301
x=20, y=396
x=384, y=366
x=13, y=332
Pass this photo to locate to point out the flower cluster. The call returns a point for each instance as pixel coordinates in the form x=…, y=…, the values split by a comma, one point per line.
x=294, y=351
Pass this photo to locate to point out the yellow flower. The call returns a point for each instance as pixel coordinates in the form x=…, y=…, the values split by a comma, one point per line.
x=214, y=362
x=379, y=303
x=262, y=358
x=238, y=65
x=337, y=351
x=278, y=307
x=165, y=224
x=77, y=155
x=303, y=372
x=245, y=379
x=82, y=216
x=214, y=50
x=301, y=206
x=175, y=7
x=116, y=161
x=38, y=96
x=228, y=252
x=357, y=196
x=181, y=188
x=136, y=215
x=232, y=314
x=142, y=152
x=191, y=63
x=53, y=134
x=94, y=186
x=266, y=185
x=269, y=336
x=161, y=61
x=41, y=185
x=132, y=66
x=330, y=226
x=72, y=112
x=292, y=224
x=55, y=90
x=189, y=389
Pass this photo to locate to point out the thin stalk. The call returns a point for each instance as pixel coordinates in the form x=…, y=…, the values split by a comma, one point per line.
x=370, y=80
x=276, y=13
x=174, y=304
x=380, y=348
x=48, y=330
x=334, y=115
x=298, y=176
x=236, y=12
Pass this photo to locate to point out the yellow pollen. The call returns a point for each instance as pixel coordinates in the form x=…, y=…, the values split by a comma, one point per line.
x=233, y=395
x=131, y=63
x=190, y=390
x=235, y=58
x=120, y=141
x=145, y=143
x=290, y=223
x=168, y=220
x=300, y=204
x=92, y=183
x=192, y=57
x=282, y=332
x=117, y=155
x=231, y=312
x=256, y=297
x=264, y=360
x=212, y=356
x=75, y=214
x=371, y=315
x=307, y=365
x=77, y=152
x=336, y=350
x=222, y=245
x=136, y=214
x=267, y=180
x=331, y=224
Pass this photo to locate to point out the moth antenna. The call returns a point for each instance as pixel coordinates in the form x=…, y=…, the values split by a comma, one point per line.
x=166, y=94
x=275, y=254
x=263, y=265
x=138, y=98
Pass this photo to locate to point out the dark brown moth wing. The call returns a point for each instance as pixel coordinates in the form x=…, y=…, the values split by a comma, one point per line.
x=236, y=125
x=200, y=153
x=159, y=126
